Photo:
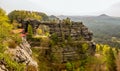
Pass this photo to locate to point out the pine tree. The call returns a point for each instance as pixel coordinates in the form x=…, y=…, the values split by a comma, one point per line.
x=30, y=32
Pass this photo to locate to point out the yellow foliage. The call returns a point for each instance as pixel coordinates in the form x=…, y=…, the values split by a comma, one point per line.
x=39, y=32
x=85, y=46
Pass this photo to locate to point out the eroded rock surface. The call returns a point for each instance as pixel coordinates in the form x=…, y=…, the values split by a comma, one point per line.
x=2, y=65
x=23, y=54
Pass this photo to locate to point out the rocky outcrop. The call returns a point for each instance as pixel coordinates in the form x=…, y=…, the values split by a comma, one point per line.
x=72, y=51
x=75, y=35
x=62, y=29
x=3, y=65
x=23, y=54
x=74, y=41
x=77, y=32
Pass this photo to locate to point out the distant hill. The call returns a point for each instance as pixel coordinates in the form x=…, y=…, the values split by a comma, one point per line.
x=103, y=15
x=103, y=26
x=53, y=19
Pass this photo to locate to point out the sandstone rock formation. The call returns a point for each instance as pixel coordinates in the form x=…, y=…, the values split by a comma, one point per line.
x=79, y=35
x=74, y=41
x=22, y=54
x=75, y=30
x=2, y=66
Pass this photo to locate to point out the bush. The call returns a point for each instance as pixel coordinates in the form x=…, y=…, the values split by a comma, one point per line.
x=2, y=47
x=31, y=68
x=39, y=31
x=85, y=47
x=12, y=44
x=69, y=66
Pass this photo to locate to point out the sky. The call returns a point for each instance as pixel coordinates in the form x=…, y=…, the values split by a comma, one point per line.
x=65, y=7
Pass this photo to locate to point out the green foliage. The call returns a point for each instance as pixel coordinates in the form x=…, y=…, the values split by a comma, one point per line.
x=43, y=63
x=69, y=38
x=108, y=56
x=83, y=62
x=4, y=26
x=67, y=20
x=81, y=38
x=2, y=48
x=5, y=35
x=104, y=59
x=16, y=37
x=47, y=34
x=16, y=25
x=39, y=31
x=3, y=17
x=11, y=64
x=44, y=42
x=85, y=46
x=22, y=14
x=30, y=32
x=69, y=66
x=54, y=38
x=110, y=60
x=6, y=31
x=99, y=48
x=116, y=51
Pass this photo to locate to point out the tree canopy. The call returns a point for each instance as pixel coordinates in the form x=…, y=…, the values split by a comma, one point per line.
x=6, y=30
x=23, y=14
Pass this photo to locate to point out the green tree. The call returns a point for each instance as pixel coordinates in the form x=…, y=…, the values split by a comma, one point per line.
x=4, y=28
x=6, y=35
x=23, y=14
x=30, y=32
x=67, y=20
x=110, y=60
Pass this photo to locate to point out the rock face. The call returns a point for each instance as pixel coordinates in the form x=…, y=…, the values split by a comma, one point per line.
x=61, y=29
x=2, y=66
x=78, y=34
x=74, y=41
x=75, y=30
x=23, y=54
x=72, y=51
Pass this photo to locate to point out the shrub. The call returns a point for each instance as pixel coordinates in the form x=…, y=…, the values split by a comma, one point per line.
x=85, y=46
x=31, y=68
x=12, y=44
x=69, y=66
x=54, y=37
x=39, y=31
